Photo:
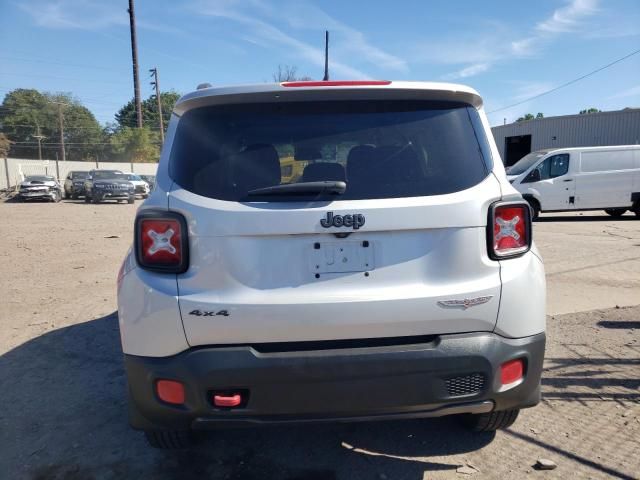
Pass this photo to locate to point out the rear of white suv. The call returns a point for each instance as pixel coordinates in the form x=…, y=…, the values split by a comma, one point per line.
x=392, y=276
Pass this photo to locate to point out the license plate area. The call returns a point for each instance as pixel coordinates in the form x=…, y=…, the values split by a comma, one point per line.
x=341, y=257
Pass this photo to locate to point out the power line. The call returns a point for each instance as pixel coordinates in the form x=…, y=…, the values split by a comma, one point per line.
x=66, y=127
x=70, y=143
x=567, y=83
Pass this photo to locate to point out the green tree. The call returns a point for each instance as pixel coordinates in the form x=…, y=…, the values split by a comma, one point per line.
x=126, y=116
x=135, y=145
x=590, y=110
x=528, y=116
x=28, y=114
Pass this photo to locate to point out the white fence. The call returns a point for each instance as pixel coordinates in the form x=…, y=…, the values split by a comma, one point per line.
x=13, y=170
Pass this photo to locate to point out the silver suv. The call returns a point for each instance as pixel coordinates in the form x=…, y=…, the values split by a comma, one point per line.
x=330, y=251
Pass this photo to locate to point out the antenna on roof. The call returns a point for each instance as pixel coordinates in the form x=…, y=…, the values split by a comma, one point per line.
x=326, y=56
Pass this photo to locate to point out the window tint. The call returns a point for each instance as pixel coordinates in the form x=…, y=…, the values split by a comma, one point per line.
x=559, y=165
x=551, y=167
x=381, y=149
x=108, y=174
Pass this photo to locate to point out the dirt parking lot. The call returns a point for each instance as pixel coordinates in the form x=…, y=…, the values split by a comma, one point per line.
x=62, y=386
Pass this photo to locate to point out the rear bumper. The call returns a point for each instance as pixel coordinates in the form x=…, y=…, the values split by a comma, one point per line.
x=444, y=375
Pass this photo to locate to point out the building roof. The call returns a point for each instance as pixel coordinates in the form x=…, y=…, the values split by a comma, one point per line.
x=567, y=117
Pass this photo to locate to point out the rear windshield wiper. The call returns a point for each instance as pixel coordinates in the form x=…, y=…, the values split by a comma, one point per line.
x=336, y=188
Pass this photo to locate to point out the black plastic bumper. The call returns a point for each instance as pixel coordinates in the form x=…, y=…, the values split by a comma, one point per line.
x=445, y=375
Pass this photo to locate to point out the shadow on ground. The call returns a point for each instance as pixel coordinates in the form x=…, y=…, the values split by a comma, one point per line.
x=586, y=218
x=63, y=416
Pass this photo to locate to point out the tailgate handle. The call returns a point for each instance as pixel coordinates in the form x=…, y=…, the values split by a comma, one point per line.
x=227, y=400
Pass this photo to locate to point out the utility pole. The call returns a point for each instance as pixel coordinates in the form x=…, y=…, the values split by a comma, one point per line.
x=39, y=137
x=134, y=58
x=326, y=55
x=154, y=74
x=61, y=128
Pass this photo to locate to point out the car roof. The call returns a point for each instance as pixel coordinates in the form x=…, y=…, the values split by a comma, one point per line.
x=602, y=147
x=327, y=91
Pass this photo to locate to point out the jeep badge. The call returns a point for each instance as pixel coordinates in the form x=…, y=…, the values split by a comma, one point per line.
x=355, y=221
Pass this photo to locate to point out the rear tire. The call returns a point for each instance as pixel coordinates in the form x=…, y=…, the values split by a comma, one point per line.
x=535, y=208
x=615, y=212
x=169, y=439
x=492, y=421
x=87, y=199
x=95, y=199
x=131, y=199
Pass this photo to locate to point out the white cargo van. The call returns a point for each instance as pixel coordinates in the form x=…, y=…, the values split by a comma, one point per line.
x=585, y=178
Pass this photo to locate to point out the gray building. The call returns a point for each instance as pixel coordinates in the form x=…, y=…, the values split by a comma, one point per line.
x=515, y=140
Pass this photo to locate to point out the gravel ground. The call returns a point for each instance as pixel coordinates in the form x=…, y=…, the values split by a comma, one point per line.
x=63, y=409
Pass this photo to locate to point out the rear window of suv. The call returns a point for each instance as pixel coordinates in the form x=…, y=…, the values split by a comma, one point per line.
x=380, y=149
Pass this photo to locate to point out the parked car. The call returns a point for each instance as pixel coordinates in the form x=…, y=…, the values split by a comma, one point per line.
x=396, y=278
x=150, y=179
x=141, y=186
x=104, y=185
x=74, y=184
x=585, y=178
x=39, y=187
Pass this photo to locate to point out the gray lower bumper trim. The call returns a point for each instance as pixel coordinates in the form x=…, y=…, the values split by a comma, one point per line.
x=204, y=423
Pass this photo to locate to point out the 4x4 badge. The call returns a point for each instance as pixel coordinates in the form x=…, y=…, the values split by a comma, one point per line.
x=355, y=221
x=466, y=303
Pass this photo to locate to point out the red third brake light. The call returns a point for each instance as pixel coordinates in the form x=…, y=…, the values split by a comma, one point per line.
x=336, y=83
x=509, y=230
x=161, y=242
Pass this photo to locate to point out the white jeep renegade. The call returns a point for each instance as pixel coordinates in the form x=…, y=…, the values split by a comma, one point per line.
x=330, y=251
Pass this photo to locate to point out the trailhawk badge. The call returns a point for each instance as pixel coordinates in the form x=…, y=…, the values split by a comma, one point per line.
x=354, y=221
x=466, y=303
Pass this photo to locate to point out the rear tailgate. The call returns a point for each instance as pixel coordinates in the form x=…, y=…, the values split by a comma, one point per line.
x=270, y=272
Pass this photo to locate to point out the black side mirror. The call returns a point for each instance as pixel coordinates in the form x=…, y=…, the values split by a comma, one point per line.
x=534, y=176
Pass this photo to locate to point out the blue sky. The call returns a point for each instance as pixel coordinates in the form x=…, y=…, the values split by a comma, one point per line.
x=509, y=51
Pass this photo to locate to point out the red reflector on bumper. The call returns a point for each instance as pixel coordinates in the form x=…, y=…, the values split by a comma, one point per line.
x=170, y=391
x=512, y=371
x=227, y=400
